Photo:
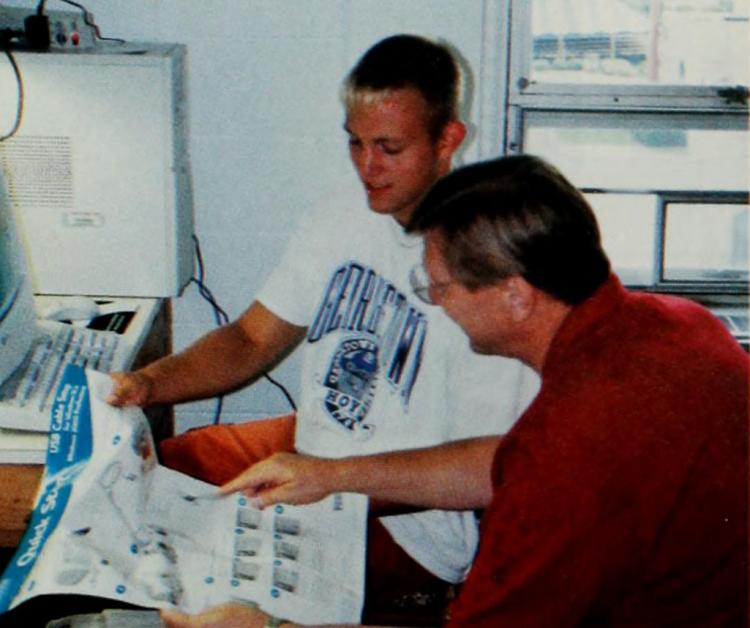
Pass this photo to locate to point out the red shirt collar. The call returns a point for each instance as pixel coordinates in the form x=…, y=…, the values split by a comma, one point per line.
x=585, y=318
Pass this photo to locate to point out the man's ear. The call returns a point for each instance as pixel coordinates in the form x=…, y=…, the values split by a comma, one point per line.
x=520, y=297
x=451, y=137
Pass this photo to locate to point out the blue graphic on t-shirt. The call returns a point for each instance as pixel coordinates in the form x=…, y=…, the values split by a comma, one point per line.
x=350, y=382
x=383, y=338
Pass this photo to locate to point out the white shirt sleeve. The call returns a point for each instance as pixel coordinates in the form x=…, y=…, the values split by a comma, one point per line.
x=486, y=393
x=293, y=288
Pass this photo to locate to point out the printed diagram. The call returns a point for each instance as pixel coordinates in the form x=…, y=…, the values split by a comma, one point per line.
x=133, y=551
x=111, y=522
x=255, y=550
x=150, y=545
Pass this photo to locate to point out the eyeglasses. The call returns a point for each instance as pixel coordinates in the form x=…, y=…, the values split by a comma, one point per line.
x=421, y=285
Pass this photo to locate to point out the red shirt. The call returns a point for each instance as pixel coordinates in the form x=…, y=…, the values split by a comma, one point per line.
x=621, y=494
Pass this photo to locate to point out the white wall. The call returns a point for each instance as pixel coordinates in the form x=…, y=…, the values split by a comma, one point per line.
x=266, y=136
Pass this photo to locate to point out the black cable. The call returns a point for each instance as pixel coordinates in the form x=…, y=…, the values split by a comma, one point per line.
x=220, y=315
x=222, y=318
x=87, y=19
x=284, y=391
x=19, y=109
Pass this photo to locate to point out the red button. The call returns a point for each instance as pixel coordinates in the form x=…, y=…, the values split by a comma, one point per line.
x=75, y=38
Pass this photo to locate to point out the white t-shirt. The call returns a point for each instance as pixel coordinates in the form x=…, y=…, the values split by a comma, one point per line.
x=384, y=371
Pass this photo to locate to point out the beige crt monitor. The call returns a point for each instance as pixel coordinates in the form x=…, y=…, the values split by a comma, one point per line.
x=98, y=173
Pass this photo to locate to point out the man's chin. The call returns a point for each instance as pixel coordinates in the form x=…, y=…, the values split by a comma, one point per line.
x=383, y=211
x=481, y=349
x=399, y=214
x=379, y=207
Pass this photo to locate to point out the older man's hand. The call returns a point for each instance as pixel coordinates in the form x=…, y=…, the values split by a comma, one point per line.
x=288, y=478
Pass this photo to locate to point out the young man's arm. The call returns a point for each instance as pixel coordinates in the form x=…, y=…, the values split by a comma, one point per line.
x=452, y=476
x=220, y=361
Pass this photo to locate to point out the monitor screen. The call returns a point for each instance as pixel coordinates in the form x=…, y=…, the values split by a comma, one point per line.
x=17, y=316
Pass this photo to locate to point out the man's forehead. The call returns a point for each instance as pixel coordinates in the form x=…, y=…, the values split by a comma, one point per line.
x=367, y=97
x=400, y=108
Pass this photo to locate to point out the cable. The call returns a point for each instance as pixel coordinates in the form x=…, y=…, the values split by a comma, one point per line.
x=88, y=19
x=222, y=318
x=219, y=314
x=284, y=391
x=19, y=108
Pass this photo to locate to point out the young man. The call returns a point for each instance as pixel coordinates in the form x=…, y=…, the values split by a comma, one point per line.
x=381, y=370
x=620, y=497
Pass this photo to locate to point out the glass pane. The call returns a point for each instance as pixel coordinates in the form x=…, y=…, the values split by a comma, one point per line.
x=677, y=42
x=633, y=153
x=706, y=242
x=627, y=224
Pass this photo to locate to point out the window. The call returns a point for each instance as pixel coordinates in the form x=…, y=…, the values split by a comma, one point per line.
x=643, y=105
x=657, y=42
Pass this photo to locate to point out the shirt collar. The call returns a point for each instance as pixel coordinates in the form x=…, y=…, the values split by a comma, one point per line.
x=585, y=318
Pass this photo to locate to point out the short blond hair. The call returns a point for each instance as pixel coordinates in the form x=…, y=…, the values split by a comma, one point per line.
x=408, y=61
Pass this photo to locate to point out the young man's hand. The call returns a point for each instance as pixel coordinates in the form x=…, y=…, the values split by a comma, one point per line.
x=129, y=389
x=224, y=616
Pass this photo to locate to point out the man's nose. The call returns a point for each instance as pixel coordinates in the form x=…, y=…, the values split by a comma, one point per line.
x=370, y=163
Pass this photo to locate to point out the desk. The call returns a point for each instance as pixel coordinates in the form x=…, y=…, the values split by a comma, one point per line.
x=22, y=454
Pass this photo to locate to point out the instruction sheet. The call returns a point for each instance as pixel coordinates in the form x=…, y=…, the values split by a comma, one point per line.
x=110, y=521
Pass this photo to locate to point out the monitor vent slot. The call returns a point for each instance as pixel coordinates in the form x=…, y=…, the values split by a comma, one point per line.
x=38, y=171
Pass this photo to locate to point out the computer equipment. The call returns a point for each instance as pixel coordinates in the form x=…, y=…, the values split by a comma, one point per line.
x=98, y=172
x=34, y=354
x=17, y=316
x=73, y=308
x=64, y=29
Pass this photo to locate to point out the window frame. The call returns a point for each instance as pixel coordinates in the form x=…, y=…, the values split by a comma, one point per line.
x=683, y=106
